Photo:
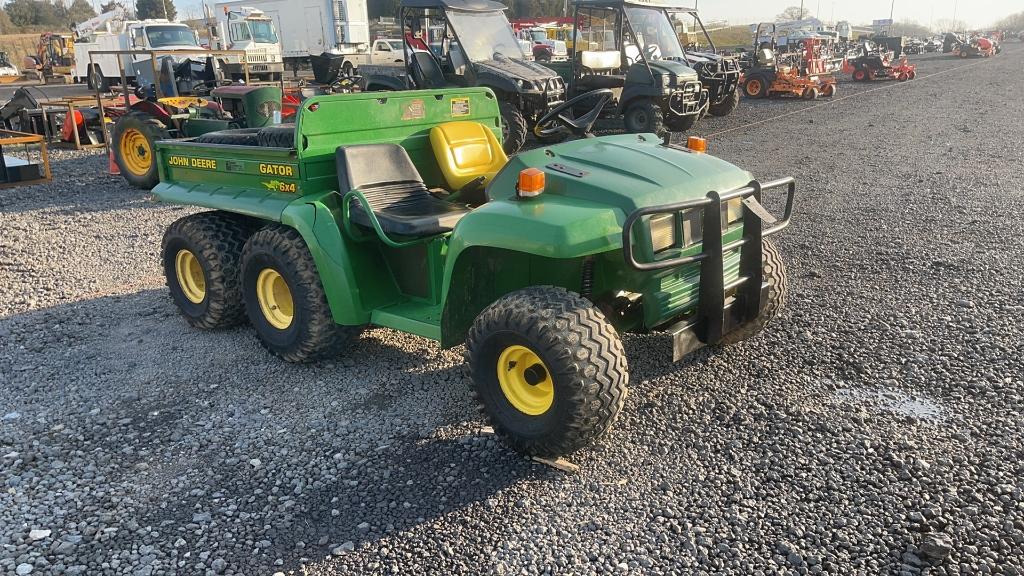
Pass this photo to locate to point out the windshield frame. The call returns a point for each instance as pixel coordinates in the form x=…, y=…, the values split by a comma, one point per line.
x=260, y=39
x=191, y=35
x=461, y=24
x=627, y=14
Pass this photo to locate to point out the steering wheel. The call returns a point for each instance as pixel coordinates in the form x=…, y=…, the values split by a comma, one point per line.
x=560, y=117
x=653, y=52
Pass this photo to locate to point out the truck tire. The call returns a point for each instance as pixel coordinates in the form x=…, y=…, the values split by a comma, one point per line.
x=644, y=116
x=285, y=300
x=548, y=370
x=239, y=137
x=201, y=255
x=775, y=276
x=96, y=79
x=280, y=136
x=513, y=127
x=725, y=107
x=133, y=137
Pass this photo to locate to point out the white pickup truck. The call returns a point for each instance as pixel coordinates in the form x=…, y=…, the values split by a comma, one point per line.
x=387, y=51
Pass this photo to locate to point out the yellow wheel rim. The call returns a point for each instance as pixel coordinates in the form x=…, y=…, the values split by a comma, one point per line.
x=136, y=152
x=190, y=276
x=525, y=380
x=275, y=298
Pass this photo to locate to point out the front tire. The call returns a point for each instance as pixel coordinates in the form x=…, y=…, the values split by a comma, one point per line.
x=682, y=123
x=513, y=127
x=644, y=116
x=134, y=151
x=201, y=254
x=725, y=107
x=548, y=369
x=285, y=300
x=775, y=275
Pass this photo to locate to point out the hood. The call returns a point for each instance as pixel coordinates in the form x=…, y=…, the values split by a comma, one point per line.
x=681, y=71
x=626, y=172
x=514, y=68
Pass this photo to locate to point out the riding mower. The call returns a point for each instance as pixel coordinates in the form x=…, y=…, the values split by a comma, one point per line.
x=403, y=211
x=188, y=99
x=806, y=74
x=979, y=47
x=873, y=63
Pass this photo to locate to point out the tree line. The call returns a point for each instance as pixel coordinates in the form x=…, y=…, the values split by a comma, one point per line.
x=52, y=15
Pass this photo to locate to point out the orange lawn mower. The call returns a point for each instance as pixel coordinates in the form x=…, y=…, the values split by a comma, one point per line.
x=876, y=64
x=805, y=75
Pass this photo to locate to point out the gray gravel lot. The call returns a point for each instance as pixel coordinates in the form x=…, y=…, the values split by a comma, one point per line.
x=876, y=429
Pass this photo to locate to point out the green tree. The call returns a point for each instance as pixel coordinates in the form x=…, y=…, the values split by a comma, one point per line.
x=80, y=11
x=6, y=26
x=156, y=9
x=793, y=13
x=23, y=12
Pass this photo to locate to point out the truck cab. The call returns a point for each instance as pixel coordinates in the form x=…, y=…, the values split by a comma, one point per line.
x=111, y=32
x=387, y=51
x=251, y=30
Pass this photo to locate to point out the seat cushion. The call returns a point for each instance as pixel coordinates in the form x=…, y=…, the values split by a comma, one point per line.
x=597, y=81
x=394, y=190
x=466, y=151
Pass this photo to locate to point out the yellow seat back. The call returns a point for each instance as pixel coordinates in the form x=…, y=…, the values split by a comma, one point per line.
x=465, y=151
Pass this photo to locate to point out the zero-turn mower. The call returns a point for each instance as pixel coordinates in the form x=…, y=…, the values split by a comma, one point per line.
x=804, y=74
x=874, y=63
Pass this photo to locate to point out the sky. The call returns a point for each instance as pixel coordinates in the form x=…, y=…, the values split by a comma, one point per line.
x=977, y=13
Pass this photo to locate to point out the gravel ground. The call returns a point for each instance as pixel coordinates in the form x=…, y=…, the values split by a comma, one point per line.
x=875, y=429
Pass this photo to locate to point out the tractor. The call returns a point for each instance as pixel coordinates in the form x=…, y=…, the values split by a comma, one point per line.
x=403, y=211
x=188, y=99
x=805, y=74
x=874, y=63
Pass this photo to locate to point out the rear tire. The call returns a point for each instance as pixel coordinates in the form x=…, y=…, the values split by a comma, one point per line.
x=778, y=286
x=133, y=137
x=575, y=384
x=725, y=107
x=285, y=300
x=860, y=75
x=644, y=116
x=756, y=87
x=513, y=127
x=201, y=254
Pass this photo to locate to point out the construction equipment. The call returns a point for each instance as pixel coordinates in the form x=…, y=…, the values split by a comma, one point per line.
x=54, y=57
x=402, y=211
x=634, y=51
x=805, y=74
x=477, y=48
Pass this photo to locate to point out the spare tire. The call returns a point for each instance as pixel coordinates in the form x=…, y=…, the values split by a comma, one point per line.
x=280, y=136
x=240, y=137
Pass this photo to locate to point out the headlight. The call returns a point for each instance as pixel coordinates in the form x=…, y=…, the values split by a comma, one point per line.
x=666, y=81
x=732, y=212
x=663, y=231
x=693, y=227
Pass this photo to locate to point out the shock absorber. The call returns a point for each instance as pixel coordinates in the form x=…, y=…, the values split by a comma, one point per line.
x=587, y=281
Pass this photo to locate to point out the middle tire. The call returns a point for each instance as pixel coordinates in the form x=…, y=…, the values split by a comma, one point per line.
x=644, y=116
x=285, y=300
x=548, y=369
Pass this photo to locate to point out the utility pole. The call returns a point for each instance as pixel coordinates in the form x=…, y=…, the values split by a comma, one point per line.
x=801, y=10
x=892, y=8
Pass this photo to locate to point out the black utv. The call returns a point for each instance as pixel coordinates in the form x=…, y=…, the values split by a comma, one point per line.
x=451, y=43
x=630, y=47
x=720, y=75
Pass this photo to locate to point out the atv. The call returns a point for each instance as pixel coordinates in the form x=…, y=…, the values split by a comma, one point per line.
x=404, y=212
x=719, y=75
x=477, y=48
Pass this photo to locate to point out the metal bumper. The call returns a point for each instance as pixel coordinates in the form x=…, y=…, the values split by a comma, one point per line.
x=682, y=103
x=716, y=315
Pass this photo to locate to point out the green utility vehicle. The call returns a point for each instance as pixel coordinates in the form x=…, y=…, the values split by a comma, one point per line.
x=401, y=210
x=631, y=48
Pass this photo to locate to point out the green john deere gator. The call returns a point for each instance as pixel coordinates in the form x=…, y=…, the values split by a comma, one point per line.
x=401, y=210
